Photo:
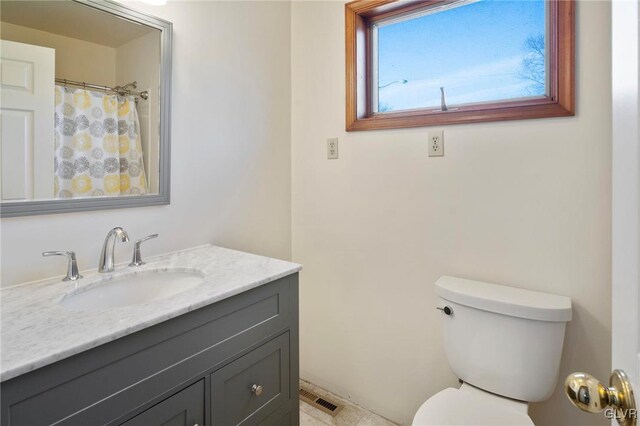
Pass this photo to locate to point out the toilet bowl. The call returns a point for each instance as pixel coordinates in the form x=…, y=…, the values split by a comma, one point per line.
x=504, y=344
x=471, y=406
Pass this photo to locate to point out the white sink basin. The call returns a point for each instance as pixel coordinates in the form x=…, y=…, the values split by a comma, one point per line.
x=131, y=289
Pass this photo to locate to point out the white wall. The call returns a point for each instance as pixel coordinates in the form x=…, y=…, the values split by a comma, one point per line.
x=526, y=203
x=230, y=149
x=75, y=59
x=139, y=60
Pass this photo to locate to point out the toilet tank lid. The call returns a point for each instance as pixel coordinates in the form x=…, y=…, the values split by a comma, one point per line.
x=512, y=301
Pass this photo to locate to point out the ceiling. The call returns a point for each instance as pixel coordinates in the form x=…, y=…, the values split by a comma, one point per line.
x=70, y=19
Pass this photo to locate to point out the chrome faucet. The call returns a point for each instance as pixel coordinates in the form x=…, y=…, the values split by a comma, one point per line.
x=106, y=257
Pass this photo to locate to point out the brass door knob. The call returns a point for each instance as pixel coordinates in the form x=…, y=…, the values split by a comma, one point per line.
x=588, y=394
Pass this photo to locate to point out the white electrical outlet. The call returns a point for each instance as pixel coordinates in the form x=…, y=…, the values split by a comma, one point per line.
x=332, y=149
x=436, y=143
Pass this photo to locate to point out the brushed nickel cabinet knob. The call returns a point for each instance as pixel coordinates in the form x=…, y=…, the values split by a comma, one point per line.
x=256, y=389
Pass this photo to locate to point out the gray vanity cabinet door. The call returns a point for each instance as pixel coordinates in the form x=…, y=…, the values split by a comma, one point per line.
x=235, y=400
x=279, y=419
x=186, y=408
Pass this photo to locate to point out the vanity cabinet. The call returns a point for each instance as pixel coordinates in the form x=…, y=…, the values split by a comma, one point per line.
x=186, y=408
x=234, y=362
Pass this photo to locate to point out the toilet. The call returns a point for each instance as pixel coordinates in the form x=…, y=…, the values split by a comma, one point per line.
x=504, y=344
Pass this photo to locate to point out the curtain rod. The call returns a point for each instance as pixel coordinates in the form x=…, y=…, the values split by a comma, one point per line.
x=120, y=90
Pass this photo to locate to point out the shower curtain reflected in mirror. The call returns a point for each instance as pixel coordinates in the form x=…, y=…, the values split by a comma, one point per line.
x=98, y=151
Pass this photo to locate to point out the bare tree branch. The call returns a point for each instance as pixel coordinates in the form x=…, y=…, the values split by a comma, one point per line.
x=533, y=64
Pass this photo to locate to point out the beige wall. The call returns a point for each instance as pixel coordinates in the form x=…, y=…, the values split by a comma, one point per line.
x=526, y=203
x=75, y=59
x=230, y=176
x=139, y=60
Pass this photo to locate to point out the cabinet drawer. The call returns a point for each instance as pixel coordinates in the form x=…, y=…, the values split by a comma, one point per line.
x=233, y=402
x=186, y=408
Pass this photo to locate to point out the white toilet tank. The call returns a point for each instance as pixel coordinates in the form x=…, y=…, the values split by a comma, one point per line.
x=503, y=339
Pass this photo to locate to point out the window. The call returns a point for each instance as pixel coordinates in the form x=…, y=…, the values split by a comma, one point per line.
x=423, y=63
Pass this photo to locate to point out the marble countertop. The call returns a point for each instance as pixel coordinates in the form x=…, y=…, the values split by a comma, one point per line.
x=37, y=331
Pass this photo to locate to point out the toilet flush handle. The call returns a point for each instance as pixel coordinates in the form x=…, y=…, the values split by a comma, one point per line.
x=447, y=310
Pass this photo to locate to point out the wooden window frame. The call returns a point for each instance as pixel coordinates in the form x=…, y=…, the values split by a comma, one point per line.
x=359, y=18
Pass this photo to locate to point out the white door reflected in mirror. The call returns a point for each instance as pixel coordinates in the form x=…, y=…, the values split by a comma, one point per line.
x=26, y=99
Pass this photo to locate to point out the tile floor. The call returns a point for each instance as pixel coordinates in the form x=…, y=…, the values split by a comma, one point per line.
x=351, y=414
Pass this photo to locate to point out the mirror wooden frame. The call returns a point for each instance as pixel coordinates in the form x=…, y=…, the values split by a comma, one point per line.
x=40, y=207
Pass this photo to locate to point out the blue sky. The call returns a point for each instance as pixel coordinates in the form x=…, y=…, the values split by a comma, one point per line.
x=475, y=51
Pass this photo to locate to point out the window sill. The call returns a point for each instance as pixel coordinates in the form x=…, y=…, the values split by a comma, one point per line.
x=534, y=108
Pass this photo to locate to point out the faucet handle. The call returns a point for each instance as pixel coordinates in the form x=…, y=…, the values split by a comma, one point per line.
x=148, y=237
x=72, y=267
x=137, y=256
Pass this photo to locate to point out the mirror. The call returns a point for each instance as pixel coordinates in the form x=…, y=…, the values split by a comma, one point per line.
x=84, y=107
